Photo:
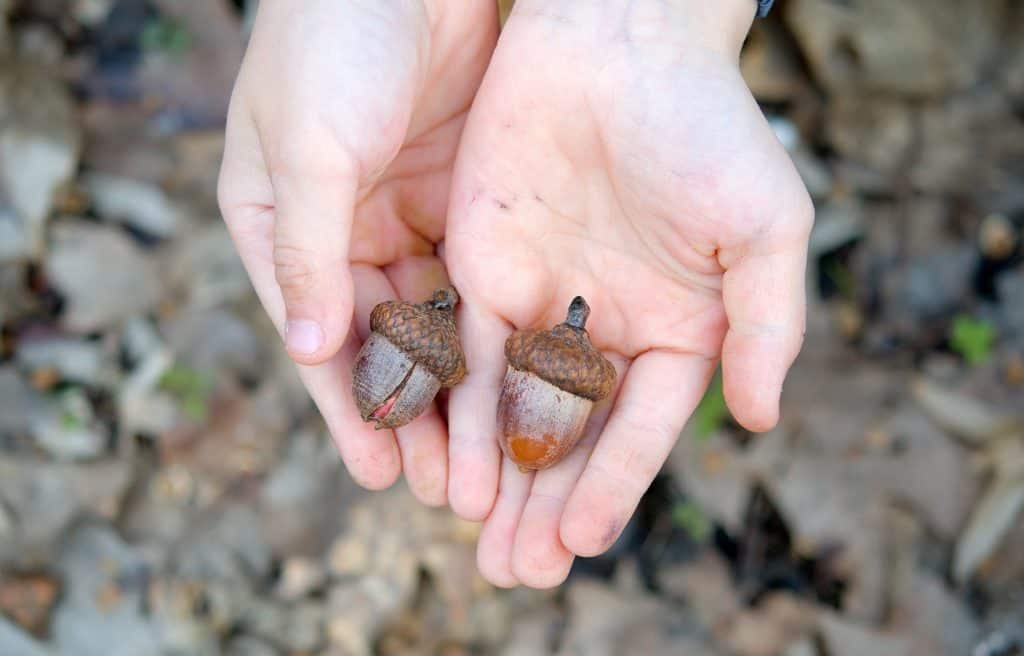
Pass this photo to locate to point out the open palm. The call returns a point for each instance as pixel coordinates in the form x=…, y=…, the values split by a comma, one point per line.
x=342, y=131
x=639, y=173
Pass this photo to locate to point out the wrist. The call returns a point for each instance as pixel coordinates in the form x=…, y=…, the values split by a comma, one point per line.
x=714, y=26
x=720, y=25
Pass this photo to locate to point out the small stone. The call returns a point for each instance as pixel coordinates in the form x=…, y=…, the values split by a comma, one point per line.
x=214, y=340
x=70, y=430
x=139, y=339
x=91, y=12
x=104, y=278
x=936, y=283
x=39, y=147
x=101, y=612
x=20, y=405
x=54, y=495
x=230, y=547
x=65, y=358
x=141, y=205
x=300, y=576
x=300, y=498
x=350, y=556
x=997, y=237
x=206, y=269
x=40, y=44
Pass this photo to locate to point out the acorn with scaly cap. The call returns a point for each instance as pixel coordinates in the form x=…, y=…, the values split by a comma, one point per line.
x=412, y=352
x=553, y=379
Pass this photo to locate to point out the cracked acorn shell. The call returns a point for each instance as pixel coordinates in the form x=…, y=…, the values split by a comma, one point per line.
x=551, y=383
x=412, y=352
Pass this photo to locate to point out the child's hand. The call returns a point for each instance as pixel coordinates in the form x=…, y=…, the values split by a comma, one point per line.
x=341, y=133
x=615, y=152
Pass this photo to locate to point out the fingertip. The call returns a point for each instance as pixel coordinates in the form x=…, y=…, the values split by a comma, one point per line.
x=588, y=533
x=374, y=476
x=493, y=553
x=472, y=490
x=539, y=559
x=543, y=575
x=493, y=573
x=754, y=408
x=752, y=376
x=757, y=416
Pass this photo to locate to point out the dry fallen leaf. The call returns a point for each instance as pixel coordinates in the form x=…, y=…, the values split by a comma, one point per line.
x=971, y=420
x=991, y=520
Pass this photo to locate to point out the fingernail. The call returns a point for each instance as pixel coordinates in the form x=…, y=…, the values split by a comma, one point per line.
x=303, y=336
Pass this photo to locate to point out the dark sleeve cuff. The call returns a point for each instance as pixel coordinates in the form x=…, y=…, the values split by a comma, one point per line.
x=763, y=7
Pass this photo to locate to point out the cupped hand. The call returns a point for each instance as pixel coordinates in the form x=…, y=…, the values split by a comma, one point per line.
x=614, y=151
x=341, y=134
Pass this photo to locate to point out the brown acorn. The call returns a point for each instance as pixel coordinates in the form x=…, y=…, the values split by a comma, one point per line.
x=412, y=352
x=551, y=383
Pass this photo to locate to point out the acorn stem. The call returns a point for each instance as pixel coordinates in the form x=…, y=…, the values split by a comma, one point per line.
x=444, y=299
x=578, y=313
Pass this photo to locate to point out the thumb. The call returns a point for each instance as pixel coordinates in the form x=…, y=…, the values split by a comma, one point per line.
x=764, y=300
x=312, y=226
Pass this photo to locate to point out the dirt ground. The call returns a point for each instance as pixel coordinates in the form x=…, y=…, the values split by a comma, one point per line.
x=167, y=487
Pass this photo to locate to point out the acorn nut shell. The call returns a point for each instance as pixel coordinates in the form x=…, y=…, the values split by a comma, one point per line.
x=412, y=352
x=552, y=381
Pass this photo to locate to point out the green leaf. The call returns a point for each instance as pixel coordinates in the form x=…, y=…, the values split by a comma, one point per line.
x=69, y=420
x=195, y=408
x=972, y=338
x=712, y=413
x=182, y=380
x=167, y=35
x=190, y=387
x=689, y=517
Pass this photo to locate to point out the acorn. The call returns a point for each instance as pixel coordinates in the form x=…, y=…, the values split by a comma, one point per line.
x=412, y=352
x=552, y=381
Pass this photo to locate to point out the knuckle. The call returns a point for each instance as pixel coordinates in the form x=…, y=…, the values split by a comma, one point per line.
x=311, y=158
x=295, y=269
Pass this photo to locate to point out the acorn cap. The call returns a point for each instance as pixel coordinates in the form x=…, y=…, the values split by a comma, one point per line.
x=564, y=356
x=425, y=332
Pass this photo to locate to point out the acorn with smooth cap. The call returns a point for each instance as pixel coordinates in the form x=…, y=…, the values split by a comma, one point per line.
x=412, y=352
x=552, y=381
